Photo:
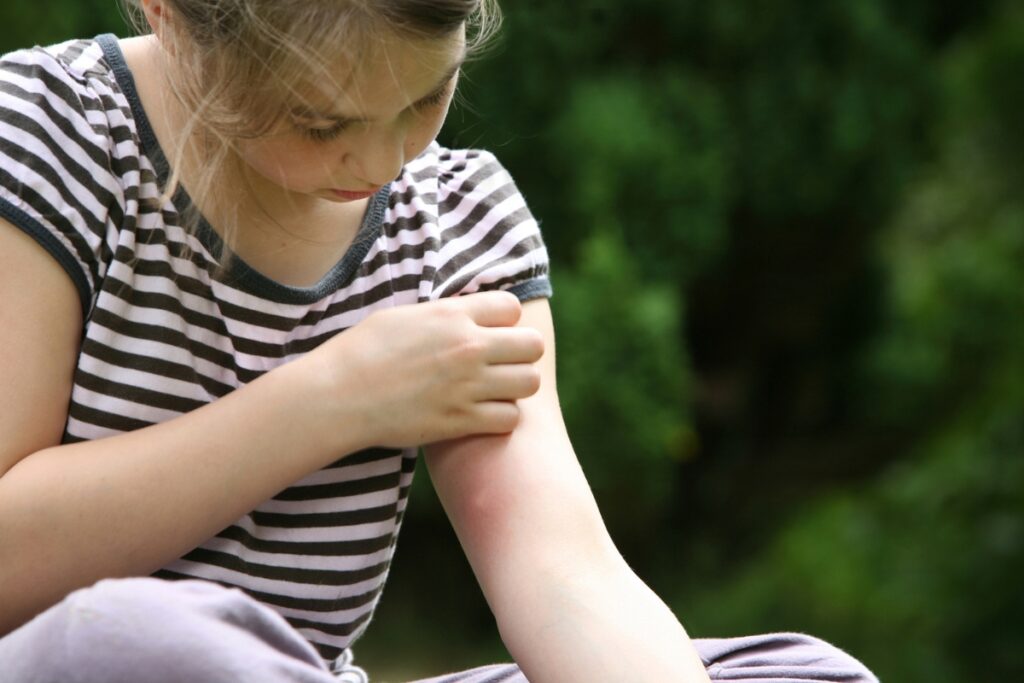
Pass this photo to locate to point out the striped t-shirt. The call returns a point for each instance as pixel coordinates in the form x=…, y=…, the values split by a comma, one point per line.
x=167, y=330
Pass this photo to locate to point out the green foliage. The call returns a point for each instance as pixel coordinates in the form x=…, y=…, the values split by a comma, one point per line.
x=622, y=379
x=987, y=91
x=914, y=574
x=917, y=572
x=955, y=335
x=621, y=138
x=822, y=98
x=41, y=23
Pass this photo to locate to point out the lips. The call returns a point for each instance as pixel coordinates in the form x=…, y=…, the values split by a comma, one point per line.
x=353, y=196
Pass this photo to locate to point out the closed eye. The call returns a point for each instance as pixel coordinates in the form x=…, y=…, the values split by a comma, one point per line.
x=324, y=134
x=334, y=131
x=435, y=99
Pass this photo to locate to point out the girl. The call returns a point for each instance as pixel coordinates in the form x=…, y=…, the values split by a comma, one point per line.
x=249, y=286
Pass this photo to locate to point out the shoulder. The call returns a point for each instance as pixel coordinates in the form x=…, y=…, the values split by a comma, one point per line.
x=452, y=182
x=62, y=109
x=444, y=164
x=465, y=209
x=71, y=79
x=67, y=153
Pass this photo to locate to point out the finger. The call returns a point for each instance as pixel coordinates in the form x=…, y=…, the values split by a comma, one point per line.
x=495, y=417
x=512, y=345
x=508, y=383
x=492, y=309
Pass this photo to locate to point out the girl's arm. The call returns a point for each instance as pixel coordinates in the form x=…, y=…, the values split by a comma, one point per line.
x=567, y=605
x=129, y=504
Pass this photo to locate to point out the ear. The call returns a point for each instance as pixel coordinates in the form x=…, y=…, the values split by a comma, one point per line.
x=156, y=16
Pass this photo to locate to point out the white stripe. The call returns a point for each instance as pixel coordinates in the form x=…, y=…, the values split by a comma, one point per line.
x=286, y=589
x=138, y=378
x=338, y=563
x=479, y=195
x=167, y=352
x=84, y=430
x=332, y=618
x=76, y=120
x=119, y=406
x=390, y=465
x=327, y=534
x=327, y=505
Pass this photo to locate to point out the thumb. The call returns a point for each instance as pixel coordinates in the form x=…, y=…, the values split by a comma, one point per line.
x=492, y=309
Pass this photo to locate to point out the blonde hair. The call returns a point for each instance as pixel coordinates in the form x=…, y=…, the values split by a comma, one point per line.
x=236, y=63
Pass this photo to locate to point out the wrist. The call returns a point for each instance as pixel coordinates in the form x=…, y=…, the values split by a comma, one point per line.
x=324, y=407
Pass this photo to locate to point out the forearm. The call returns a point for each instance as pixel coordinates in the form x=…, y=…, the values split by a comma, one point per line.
x=568, y=606
x=127, y=505
x=593, y=624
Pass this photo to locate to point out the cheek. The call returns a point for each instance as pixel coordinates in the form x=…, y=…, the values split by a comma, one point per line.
x=284, y=164
x=423, y=133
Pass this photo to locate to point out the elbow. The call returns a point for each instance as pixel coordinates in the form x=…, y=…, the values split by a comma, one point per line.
x=529, y=551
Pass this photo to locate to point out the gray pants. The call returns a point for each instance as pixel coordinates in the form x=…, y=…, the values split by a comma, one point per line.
x=150, y=631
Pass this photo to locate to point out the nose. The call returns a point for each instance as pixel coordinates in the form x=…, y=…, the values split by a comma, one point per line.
x=377, y=156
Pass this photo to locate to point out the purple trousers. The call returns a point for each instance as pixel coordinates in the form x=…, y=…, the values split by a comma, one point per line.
x=151, y=631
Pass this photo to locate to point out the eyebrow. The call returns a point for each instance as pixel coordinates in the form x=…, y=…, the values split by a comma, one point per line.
x=306, y=111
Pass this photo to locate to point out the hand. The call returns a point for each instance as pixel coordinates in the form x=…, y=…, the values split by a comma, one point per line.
x=439, y=370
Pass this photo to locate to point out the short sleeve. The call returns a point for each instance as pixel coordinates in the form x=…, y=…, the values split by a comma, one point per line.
x=488, y=237
x=56, y=182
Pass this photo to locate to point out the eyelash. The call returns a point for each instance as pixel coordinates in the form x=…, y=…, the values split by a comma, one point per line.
x=325, y=134
x=335, y=131
x=433, y=100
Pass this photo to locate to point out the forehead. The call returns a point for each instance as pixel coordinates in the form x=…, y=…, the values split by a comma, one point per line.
x=383, y=72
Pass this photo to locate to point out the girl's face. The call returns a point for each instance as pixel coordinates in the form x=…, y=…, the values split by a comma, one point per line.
x=353, y=134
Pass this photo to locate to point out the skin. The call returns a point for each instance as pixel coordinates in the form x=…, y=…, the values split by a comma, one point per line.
x=473, y=376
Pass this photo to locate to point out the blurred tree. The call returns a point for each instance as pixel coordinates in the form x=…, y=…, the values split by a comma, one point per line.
x=917, y=575
x=918, y=572
x=26, y=23
x=627, y=389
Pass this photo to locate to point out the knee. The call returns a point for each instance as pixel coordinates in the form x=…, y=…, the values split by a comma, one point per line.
x=835, y=664
x=783, y=656
x=122, y=628
x=146, y=629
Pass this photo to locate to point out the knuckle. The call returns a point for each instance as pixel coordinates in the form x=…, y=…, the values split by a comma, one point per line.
x=515, y=306
x=536, y=343
x=508, y=417
x=468, y=348
x=505, y=303
x=444, y=312
x=453, y=305
x=533, y=381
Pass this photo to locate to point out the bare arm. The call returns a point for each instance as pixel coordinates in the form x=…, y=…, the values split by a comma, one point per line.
x=129, y=504
x=567, y=605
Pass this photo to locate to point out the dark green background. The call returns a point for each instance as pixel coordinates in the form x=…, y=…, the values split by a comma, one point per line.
x=788, y=253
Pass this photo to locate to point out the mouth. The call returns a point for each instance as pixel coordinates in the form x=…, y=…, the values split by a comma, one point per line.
x=354, y=196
